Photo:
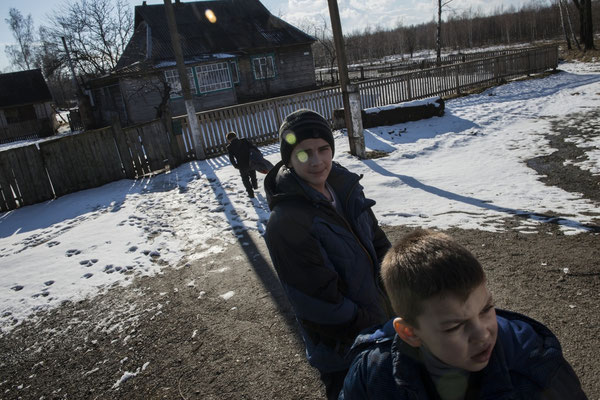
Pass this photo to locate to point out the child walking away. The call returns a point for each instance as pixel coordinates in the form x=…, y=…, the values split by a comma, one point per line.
x=325, y=244
x=448, y=341
x=239, y=155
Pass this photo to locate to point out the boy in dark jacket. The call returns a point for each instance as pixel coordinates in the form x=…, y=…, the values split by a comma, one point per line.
x=239, y=155
x=325, y=244
x=448, y=342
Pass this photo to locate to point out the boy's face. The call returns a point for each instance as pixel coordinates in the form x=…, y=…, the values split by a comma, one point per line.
x=311, y=159
x=461, y=334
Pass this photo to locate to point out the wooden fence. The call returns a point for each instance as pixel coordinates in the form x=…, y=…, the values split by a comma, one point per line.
x=260, y=120
x=388, y=69
x=57, y=166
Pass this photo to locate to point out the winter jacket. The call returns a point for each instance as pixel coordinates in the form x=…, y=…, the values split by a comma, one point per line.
x=239, y=153
x=327, y=263
x=526, y=364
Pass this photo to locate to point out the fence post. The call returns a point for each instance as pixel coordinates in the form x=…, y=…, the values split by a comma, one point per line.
x=122, y=147
x=167, y=122
x=497, y=69
x=457, y=68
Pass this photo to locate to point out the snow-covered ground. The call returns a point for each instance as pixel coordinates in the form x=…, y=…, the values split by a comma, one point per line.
x=465, y=169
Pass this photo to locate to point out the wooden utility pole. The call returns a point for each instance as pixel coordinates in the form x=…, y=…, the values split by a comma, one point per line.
x=185, y=83
x=355, y=132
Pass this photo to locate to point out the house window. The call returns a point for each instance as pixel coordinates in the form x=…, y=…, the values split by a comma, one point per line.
x=235, y=73
x=172, y=77
x=213, y=77
x=263, y=67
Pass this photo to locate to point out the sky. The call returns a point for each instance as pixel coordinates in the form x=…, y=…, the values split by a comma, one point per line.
x=302, y=13
x=465, y=169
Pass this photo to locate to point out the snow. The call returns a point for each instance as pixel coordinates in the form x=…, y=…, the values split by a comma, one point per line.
x=466, y=169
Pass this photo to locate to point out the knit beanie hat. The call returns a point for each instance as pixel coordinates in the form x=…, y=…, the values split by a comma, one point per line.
x=300, y=125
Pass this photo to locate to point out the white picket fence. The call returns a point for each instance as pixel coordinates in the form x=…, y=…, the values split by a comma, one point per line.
x=260, y=120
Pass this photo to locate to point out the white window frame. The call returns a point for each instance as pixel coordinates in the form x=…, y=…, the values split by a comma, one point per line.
x=172, y=78
x=264, y=67
x=213, y=77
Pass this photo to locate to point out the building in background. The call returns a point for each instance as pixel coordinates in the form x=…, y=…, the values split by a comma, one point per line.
x=235, y=51
x=26, y=106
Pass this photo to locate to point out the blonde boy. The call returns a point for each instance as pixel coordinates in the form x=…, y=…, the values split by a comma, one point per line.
x=448, y=341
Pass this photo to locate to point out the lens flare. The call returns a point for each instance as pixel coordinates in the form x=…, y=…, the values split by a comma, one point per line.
x=302, y=156
x=210, y=15
x=290, y=138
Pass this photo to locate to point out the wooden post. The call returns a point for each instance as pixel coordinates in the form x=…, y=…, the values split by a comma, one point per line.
x=338, y=38
x=457, y=68
x=358, y=138
x=185, y=84
x=122, y=147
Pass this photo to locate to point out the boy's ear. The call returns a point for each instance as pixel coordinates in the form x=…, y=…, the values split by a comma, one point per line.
x=406, y=332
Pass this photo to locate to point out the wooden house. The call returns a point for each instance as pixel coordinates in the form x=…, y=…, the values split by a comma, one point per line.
x=25, y=106
x=235, y=51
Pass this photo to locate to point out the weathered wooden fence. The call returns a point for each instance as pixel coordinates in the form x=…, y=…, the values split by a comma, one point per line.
x=377, y=70
x=58, y=166
x=260, y=120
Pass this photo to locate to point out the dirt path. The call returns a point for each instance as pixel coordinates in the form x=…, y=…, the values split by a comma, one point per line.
x=221, y=328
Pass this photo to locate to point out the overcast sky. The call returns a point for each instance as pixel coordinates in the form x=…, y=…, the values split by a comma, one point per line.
x=355, y=14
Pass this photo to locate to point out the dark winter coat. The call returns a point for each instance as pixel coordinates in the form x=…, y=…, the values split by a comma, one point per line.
x=526, y=364
x=239, y=153
x=328, y=264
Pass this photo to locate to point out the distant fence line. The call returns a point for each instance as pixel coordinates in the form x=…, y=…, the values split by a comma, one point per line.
x=48, y=169
x=260, y=120
x=377, y=70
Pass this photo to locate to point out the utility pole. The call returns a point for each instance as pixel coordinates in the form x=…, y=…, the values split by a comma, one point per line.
x=356, y=138
x=185, y=83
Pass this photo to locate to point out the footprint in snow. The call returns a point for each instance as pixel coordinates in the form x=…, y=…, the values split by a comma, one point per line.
x=88, y=275
x=72, y=252
x=52, y=243
x=16, y=288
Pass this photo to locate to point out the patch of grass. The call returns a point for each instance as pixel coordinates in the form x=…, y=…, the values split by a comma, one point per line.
x=371, y=155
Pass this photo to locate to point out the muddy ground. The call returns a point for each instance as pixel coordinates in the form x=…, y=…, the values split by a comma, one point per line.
x=180, y=336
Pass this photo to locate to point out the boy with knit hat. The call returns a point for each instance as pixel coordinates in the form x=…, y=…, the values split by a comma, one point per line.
x=448, y=342
x=325, y=244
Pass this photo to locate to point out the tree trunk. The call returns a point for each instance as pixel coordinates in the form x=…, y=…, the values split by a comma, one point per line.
x=573, y=36
x=589, y=31
x=438, y=41
x=564, y=26
x=586, y=29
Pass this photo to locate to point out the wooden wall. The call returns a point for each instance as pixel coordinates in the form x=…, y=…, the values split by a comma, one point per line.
x=58, y=166
x=295, y=71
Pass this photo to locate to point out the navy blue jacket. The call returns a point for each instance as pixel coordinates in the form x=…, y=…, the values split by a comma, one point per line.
x=327, y=263
x=526, y=364
x=239, y=153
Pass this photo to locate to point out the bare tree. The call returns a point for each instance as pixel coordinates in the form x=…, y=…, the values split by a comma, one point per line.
x=22, y=53
x=586, y=28
x=324, y=48
x=438, y=38
x=96, y=32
